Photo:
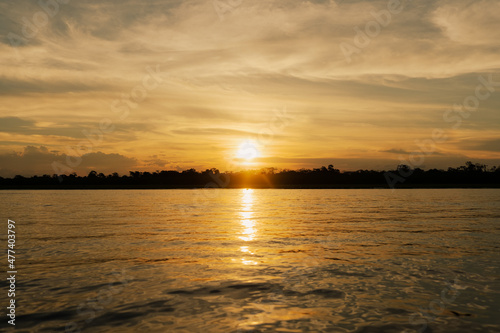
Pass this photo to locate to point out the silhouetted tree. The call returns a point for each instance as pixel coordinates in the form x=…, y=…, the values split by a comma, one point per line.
x=470, y=174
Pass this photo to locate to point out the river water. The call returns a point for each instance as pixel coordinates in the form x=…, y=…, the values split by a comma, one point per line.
x=254, y=260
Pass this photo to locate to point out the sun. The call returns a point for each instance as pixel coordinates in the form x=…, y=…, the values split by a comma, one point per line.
x=247, y=151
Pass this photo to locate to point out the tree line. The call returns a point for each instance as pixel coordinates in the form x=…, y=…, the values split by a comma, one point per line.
x=403, y=176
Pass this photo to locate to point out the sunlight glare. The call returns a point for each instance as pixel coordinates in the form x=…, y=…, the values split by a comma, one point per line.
x=248, y=151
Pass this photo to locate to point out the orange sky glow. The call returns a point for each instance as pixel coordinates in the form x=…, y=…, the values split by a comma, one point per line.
x=133, y=85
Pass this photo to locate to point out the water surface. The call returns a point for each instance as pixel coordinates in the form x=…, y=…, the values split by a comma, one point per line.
x=256, y=260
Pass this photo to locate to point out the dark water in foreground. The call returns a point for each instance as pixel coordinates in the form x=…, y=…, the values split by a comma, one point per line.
x=255, y=260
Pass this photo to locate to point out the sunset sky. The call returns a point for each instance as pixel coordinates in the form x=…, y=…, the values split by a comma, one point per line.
x=162, y=84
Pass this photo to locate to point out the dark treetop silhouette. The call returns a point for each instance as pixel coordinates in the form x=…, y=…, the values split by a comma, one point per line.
x=469, y=175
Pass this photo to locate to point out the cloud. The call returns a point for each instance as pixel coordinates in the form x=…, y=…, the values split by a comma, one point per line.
x=15, y=124
x=28, y=128
x=396, y=151
x=12, y=86
x=214, y=131
x=488, y=145
x=469, y=22
x=24, y=126
x=405, y=152
x=156, y=161
x=38, y=160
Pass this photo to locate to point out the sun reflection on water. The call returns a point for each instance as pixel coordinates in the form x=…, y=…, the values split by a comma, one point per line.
x=249, y=232
x=248, y=224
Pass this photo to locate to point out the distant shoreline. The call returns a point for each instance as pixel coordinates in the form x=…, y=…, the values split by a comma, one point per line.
x=470, y=175
x=282, y=187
